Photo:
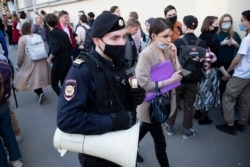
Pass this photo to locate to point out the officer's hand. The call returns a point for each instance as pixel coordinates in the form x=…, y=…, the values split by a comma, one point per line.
x=137, y=95
x=123, y=120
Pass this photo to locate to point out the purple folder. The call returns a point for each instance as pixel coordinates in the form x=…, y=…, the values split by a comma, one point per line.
x=161, y=72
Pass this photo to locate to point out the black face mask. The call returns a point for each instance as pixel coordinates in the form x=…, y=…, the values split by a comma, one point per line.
x=173, y=19
x=214, y=30
x=115, y=52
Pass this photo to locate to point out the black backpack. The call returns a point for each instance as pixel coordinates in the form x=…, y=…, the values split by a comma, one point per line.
x=189, y=59
x=5, y=80
x=88, y=43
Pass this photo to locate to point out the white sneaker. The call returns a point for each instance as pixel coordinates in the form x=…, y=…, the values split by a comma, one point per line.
x=16, y=163
x=41, y=99
x=19, y=138
x=189, y=133
x=169, y=130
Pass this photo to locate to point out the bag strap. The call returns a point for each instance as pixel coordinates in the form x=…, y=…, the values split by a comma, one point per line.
x=86, y=30
x=184, y=40
x=157, y=90
x=106, y=75
x=197, y=41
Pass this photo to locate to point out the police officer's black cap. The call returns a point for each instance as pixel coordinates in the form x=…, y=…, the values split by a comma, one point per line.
x=105, y=23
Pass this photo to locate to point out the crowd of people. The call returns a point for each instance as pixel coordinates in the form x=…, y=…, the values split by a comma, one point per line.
x=122, y=50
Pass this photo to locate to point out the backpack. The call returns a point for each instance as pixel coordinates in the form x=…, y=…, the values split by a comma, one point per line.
x=5, y=80
x=88, y=43
x=190, y=59
x=35, y=47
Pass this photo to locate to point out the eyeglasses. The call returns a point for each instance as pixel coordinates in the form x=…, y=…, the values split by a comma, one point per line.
x=226, y=21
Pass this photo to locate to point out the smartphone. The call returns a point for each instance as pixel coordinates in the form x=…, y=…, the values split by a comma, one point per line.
x=184, y=72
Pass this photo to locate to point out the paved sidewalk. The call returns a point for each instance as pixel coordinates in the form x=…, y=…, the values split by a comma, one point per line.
x=210, y=148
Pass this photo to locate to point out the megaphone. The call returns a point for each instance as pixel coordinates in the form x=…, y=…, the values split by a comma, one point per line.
x=119, y=147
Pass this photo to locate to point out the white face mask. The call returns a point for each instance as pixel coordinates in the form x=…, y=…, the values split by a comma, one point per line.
x=162, y=45
x=225, y=26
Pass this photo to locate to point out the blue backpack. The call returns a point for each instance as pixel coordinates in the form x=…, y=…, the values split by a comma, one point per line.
x=5, y=80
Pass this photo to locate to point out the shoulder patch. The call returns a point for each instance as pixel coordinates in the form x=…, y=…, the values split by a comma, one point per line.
x=78, y=61
x=70, y=89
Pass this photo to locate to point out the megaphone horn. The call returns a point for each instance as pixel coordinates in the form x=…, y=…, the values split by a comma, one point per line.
x=119, y=147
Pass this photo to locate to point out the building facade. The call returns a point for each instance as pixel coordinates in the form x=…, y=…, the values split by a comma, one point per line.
x=145, y=8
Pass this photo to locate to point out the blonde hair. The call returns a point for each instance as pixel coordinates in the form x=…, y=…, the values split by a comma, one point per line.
x=35, y=17
x=230, y=30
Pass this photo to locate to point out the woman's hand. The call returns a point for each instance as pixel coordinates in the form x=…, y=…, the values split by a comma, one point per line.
x=172, y=50
x=226, y=41
x=49, y=60
x=176, y=76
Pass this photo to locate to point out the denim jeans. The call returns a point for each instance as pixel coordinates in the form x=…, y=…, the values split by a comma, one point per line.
x=3, y=157
x=8, y=136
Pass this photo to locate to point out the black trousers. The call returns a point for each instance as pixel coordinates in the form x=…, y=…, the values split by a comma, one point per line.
x=159, y=141
x=38, y=91
x=91, y=161
x=56, y=77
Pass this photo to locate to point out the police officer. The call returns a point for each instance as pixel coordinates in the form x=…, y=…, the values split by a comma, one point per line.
x=96, y=96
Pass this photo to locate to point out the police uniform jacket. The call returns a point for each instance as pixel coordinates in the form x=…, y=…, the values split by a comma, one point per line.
x=83, y=107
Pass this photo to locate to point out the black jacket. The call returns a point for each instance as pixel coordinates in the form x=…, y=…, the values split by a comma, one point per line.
x=60, y=47
x=213, y=43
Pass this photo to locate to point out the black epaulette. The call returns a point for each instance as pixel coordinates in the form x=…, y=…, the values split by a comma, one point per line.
x=78, y=62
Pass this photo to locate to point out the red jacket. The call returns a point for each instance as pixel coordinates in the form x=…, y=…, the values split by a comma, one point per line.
x=72, y=38
x=15, y=32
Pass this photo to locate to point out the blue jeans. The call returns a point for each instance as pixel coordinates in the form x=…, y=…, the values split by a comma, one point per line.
x=8, y=136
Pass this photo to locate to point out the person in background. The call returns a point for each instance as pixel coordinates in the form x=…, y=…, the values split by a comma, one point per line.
x=31, y=75
x=60, y=53
x=15, y=30
x=131, y=54
x=22, y=19
x=2, y=26
x=159, y=50
x=39, y=27
x=8, y=27
x=188, y=88
x=81, y=34
x=229, y=44
x=238, y=86
x=204, y=101
x=43, y=14
x=79, y=14
x=94, y=102
x=4, y=51
x=64, y=25
x=171, y=15
x=147, y=41
x=7, y=136
x=115, y=10
x=91, y=19
x=139, y=34
x=147, y=25
x=56, y=13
